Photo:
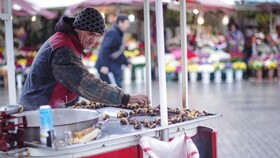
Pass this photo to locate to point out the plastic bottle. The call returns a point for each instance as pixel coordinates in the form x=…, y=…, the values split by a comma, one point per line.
x=46, y=122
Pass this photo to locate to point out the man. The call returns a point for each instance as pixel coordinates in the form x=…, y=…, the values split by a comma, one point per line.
x=57, y=75
x=111, y=57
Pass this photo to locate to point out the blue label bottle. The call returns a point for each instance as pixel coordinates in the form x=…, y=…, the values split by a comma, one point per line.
x=46, y=122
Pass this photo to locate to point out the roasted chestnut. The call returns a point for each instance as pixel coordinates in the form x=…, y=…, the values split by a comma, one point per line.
x=132, y=122
x=152, y=125
x=124, y=113
x=124, y=121
x=105, y=117
x=119, y=114
x=146, y=122
x=137, y=125
x=131, y=113
x=173, y=119
x=157, y=120
x=145, y=110
x=84, y=102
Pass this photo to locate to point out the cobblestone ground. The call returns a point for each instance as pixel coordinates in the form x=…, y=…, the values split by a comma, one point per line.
x=250, y=125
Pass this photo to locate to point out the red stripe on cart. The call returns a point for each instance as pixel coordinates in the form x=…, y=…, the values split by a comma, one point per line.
x=191, y=154
x=147, y=149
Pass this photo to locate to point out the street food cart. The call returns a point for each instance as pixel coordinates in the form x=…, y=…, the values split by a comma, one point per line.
x=116, y=140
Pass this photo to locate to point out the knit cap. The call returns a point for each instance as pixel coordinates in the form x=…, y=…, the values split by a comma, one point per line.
x=89, y=19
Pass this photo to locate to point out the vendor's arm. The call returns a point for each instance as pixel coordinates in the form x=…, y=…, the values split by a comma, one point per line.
x=69, y=70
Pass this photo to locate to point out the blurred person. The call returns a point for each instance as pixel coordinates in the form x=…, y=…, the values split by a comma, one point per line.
x=111, y=57
x=20, y=36
x=276, y=38
x=235, y=39
x=221, y=43
x=57, y=75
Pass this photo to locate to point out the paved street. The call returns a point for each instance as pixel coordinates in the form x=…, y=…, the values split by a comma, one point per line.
x=249, y=127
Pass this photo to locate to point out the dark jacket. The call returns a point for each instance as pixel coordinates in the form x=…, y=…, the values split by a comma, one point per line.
x=112, y=44
x=57, y=75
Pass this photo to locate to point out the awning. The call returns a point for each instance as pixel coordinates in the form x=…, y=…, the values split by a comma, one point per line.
x=214, y=4
x=205, y=5
x=262, y=5
x=24, y=8
x=261, y=1
x=94, y=3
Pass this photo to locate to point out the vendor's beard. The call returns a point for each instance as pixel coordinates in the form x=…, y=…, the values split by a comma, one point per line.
x=85, y=51
x=88, y=50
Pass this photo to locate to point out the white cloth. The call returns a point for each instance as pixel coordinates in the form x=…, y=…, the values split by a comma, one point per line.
x=180, y=147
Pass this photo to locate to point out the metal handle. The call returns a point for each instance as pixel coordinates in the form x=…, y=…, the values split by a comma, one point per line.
x=100, y=124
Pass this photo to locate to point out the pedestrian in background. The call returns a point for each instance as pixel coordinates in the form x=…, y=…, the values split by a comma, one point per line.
x=235, y=39
x=111, y=57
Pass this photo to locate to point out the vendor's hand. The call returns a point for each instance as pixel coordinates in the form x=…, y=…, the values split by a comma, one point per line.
x=139, y=98
x=104, y=70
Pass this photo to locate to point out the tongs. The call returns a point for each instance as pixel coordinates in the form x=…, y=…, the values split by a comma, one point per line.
x=100, y=124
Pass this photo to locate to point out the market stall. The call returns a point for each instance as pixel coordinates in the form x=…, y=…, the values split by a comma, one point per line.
x=8, y=10
x=116, y=137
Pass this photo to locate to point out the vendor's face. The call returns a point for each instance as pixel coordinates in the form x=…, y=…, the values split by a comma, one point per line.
x=88, y=39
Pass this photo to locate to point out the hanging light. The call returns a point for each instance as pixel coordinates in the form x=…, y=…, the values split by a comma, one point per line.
x=200, y=19
x=131, y=17
x=16, y=7
x=33, y=18
x=195, y=11
x=103, y=14
x=225, y=20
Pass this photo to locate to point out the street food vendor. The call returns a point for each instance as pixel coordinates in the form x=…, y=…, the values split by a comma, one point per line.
x=58, y=77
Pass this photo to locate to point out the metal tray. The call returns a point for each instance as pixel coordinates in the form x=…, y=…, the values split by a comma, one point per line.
x=64, y=120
